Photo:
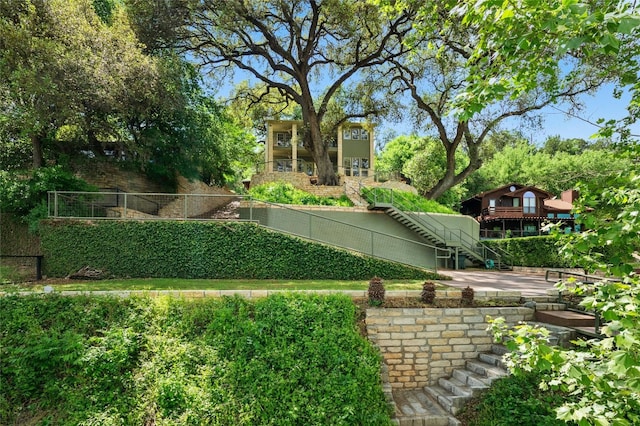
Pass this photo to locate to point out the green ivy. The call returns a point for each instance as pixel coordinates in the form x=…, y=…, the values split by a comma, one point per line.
x=202, y=250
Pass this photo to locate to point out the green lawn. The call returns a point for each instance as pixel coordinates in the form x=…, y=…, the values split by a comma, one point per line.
x=201, y=284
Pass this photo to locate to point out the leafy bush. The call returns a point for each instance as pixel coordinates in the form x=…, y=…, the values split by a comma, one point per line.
x=532, y=251
x=515, y=397
x=26, y=195
x=404, y=200
x=290, y=358
x=286, y=193
x=202, y=250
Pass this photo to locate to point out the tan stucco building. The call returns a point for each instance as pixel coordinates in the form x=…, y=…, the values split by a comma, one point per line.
x=351, y=150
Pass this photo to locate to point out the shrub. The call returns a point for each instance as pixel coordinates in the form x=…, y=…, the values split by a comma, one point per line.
x=286, y=193
x=532, y=251
x=95, y=361
x=511, y=398
x=428, y=294
x=202, y=250
x=405, y=200
x=26, y=196
x=467, y=296
x=376, y=291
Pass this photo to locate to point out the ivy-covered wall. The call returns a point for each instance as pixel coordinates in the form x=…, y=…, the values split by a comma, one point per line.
x=532, y=251
x=202, y=250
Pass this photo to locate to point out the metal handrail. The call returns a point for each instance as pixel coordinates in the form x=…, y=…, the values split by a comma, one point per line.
x=447, y=236
x=586, y=279
x=437, y=249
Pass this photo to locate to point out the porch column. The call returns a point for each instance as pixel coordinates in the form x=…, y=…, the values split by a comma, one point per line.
x=294, y=147
x=340, y=167
x=268, y=149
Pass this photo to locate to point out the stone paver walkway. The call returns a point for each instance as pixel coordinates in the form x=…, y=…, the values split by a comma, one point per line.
x=485, y=280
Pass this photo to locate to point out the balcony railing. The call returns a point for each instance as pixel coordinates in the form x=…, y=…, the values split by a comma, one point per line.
x=510, y=212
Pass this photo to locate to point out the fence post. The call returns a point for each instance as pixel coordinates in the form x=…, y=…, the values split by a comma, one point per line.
x=39, y=267
x=185, y=206
x=55, y=203
x=125, y=205
x=372, y=236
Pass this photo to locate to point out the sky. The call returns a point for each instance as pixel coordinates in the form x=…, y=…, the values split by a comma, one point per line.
x=600, y=105
x=555, y=121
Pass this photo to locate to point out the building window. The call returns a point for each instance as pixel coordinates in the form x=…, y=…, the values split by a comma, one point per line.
x=354, y=166
x=283, y=139
x=529, y=203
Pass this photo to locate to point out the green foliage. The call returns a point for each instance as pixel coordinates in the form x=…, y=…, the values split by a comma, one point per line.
x=26, y=196
x=404, y=200
x=609, y=211
x=533, y=251
x=297, y=359
x=286, y=193
x=601, y=375
x=201, y=250
x=523, y=163
x=516, y=397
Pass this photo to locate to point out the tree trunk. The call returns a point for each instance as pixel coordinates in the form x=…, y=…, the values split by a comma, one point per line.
x=36, y=145
x=451, y=179
x=319, y=150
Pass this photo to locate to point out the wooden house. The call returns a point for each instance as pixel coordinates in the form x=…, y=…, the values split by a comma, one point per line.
x=519, y=211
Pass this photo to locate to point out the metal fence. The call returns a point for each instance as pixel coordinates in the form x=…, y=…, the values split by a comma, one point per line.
x=282, y=218
x=122, y=205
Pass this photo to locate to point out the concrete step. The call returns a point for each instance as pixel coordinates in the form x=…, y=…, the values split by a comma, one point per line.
x=417, y=408
x=565, y=318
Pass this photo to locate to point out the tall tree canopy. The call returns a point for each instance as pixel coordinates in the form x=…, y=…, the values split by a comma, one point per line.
x=75, y=78
x=295, y=47
x=476, y=64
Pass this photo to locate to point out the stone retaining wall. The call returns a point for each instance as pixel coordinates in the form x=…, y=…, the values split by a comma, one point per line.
x=421, y=345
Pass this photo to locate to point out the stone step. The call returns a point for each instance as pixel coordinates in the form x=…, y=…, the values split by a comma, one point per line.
x=450, y=402
x=415, y=407
x=489, y=371
x=493, y=359
x=459, y=388
x=565, y=318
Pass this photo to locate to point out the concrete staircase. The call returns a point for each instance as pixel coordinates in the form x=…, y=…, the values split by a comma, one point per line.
x=437, y=405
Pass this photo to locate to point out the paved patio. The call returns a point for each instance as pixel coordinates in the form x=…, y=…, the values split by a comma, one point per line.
x=483, y=280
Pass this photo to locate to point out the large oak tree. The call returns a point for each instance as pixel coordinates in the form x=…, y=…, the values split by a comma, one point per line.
x=306, y=50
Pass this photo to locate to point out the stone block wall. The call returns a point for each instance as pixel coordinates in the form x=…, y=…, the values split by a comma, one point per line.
x=421, y=345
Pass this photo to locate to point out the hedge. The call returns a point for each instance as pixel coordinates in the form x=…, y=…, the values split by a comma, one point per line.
x=539, y=251
x=173, y=249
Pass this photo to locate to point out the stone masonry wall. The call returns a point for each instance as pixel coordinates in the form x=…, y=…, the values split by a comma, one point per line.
x=421, y=345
